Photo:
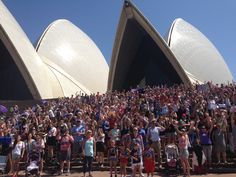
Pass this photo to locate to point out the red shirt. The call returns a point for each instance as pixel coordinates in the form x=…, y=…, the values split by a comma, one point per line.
x=65, y=143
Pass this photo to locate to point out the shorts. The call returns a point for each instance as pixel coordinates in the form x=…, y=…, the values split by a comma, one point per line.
x=183, y=153
x=135, y=165
x=65, y=155
x=149, y=165
x=16, y=157
x=100, y=147
x=51, y=141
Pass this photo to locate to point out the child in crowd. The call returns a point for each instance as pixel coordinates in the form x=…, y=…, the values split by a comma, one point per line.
x=149, y=159
x=124, y=156
x=113, y=157
x=136, y=159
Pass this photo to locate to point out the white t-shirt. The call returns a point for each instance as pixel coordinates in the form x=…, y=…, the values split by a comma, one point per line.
x=18, y=148
x=154, y=133
x=52, y=132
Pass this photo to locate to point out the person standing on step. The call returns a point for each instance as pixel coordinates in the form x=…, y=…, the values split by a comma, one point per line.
x=89, y=152
x=112, y=156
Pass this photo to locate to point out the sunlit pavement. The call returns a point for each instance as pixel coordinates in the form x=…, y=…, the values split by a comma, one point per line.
x=107, y=174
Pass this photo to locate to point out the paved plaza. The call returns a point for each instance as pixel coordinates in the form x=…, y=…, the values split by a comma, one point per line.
x=107, y=174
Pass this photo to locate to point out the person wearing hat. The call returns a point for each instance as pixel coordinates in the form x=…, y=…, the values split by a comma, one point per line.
x=153, y=134
x=183, y=150
x=219, y=141
x=206, y=143
x=78, y=132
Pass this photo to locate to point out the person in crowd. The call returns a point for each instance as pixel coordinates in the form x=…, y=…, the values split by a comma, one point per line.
x=218, y=138
x=114, y=134
x=126, y=139
x=204, y=104
x=183, y=143
x=136, y=159
x=51, y=139
x=40, y=146
x=149, y=159
x=112, y=156
x=124, y=159
x=199, y=158
x=125, y=125
x=78, y=133
x=65, y=141
x=206, y=143
x=170, y=130
x=18, y=150
x=153, y=135
x=29, y=144
x=137, y=138
x=192, y=134
x=100, y=146
x=142, y=132
x=89, y=152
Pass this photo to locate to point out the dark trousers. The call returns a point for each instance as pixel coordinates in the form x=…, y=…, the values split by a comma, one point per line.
x=87, y=166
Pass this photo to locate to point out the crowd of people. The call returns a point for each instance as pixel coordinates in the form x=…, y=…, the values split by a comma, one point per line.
x=127, y=127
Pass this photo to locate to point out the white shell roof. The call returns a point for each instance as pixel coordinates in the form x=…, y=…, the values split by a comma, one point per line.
x=68, y=47
x=24, y=55
x=197, y=55
x=67, y=62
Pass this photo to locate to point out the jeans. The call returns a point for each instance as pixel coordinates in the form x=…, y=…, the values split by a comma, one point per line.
x=87, y=166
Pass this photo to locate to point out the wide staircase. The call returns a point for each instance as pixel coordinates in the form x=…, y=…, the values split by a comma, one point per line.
x=77, y=165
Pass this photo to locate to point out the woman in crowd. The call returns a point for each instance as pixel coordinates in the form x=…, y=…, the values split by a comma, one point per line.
x=100, y=146
x=89, y=152
x=114, y=134
x=51, y=140
x=18, y=150
x=218, y=137
x=40, y=146
x=183, y=142
x=137, y=138
x=29, y=144
x=65, y=141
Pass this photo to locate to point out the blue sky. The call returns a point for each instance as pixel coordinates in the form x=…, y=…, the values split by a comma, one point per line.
x=99, y=19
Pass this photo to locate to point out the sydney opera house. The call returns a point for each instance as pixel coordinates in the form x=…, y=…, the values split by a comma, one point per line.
x=66, y=61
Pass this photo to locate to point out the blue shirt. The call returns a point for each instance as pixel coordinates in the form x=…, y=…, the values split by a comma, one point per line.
x=78, y=133
x=89, y=147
